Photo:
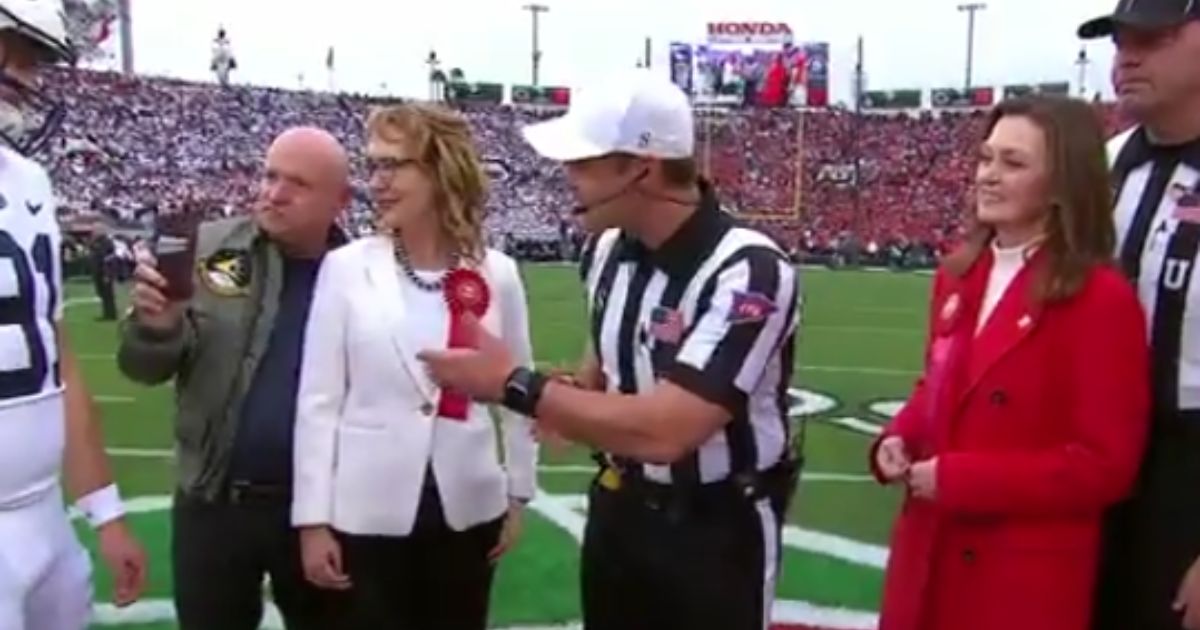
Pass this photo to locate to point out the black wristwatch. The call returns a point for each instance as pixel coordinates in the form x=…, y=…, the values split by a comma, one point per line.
x=523, y=391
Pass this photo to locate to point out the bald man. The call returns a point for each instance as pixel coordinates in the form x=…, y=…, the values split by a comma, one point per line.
x=234, y=350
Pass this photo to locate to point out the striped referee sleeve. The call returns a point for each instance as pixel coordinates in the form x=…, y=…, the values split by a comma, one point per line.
x=745, y=312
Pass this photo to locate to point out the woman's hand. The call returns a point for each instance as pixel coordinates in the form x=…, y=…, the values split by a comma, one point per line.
x=922, y=479
x=509, y=532
x=891, y=458
x=322, y=558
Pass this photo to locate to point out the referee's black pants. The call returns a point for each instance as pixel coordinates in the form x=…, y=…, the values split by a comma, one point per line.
x=222, y=548
x=1153, y=538
x=653, y=561
x=433, y=579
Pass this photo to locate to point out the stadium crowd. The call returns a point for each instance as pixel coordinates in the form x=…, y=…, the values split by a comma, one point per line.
x=134, y=146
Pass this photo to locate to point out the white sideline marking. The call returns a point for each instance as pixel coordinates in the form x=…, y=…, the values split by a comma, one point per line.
x=566, y=511
x=839, y=547
x=888, y=309
x=866, y=330
x=77, y=301
x=808, y=403
x=860, y=426
x=119, y=451
x=887, y=408
x=568, y=469
x=565, y=469
x=854, y=369
x=835, y=477
x=784, y=611
x=156, y=610
x=562, y=511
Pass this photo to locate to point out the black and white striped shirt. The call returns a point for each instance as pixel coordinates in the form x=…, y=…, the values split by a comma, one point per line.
x=1158, y=225
x=713, y=310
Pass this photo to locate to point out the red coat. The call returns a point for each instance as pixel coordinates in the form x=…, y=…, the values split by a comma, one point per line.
x=1037, y=425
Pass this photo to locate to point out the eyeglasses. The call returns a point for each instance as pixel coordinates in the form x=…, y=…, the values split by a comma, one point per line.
x=387, y=166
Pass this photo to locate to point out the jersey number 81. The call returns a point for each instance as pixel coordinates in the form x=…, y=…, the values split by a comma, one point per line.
x=20, y=310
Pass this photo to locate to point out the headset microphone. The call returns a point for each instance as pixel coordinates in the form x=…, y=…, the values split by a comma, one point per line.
x=582, y=209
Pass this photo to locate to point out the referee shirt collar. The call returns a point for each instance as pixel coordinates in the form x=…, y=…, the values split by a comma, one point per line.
x=682, y=252
x=1139, y=150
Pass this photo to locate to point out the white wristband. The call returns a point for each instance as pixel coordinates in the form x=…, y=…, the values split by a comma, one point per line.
x=102, y=506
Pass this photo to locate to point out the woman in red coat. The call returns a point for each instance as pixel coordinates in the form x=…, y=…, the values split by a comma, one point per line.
x=1032, y=412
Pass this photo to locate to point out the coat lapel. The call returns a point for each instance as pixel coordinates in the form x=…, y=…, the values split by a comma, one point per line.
x=382, y=275
x=1013, y=320
x=957, y=309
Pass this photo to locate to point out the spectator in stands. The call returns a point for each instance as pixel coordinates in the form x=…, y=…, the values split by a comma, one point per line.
x=400, y=492
x=787, y=171
x=1024, y=429
x=234, y=351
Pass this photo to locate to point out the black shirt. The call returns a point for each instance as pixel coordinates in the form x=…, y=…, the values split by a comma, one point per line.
x=263, y=450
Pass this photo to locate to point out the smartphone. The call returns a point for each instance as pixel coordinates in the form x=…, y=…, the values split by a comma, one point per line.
x=174, y=248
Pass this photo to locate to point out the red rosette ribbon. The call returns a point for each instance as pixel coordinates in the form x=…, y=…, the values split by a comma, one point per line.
x=465, y=292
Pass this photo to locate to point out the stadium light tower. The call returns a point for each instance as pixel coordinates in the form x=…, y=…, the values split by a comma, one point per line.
x=971, y=8
x=536, y=10
x=125, y=16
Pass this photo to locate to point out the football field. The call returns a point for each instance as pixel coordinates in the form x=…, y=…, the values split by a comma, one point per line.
x=859, y=352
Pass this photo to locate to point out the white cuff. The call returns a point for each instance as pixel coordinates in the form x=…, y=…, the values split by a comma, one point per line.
x=102, y=506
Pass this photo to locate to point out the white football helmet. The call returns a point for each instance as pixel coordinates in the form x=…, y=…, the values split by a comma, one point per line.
x=28, y=124
x=43, y=21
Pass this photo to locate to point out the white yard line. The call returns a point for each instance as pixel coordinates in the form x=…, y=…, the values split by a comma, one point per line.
x=151, y=453
x=562, y=469
x=857, y=369
x=114, y=399
x=566, y=511
x=808, y=614
x=888, y=408
x=840, y=547
x=784, y=611
x=865, y=330
x=859, y=426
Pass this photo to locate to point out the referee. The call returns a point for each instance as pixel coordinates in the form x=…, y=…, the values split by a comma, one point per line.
x=1150, y=577
x=692, y=322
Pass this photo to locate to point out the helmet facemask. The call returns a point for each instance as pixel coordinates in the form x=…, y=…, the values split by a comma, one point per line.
x=29, y=117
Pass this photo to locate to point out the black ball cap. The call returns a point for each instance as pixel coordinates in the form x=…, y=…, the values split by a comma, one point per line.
x=1147, y=15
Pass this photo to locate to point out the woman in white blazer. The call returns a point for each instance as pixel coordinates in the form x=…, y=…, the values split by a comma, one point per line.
x=400, y=503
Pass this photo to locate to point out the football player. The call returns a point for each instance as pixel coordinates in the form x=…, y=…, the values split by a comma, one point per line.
x=48, y=427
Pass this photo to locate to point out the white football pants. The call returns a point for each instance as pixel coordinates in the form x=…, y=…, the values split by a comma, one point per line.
x=45, y=574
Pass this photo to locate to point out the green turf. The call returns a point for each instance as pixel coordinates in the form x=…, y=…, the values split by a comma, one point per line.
x=861, y=340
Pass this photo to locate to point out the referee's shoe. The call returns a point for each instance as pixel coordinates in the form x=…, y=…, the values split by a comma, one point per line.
x=683, y=391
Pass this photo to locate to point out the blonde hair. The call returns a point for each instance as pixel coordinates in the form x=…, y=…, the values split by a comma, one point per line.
x=442, y=145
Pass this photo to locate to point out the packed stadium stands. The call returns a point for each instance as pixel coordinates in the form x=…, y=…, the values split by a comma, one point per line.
x=135, y=145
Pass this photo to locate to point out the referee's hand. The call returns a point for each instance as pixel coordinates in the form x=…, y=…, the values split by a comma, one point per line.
x=480, y=372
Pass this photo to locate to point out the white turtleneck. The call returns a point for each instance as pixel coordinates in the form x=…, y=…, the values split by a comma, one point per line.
x=1007, y=263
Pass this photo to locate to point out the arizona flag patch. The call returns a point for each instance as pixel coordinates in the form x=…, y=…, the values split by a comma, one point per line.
x=749, y=307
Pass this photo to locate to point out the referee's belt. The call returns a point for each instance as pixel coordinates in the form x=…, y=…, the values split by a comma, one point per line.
x=776, y=483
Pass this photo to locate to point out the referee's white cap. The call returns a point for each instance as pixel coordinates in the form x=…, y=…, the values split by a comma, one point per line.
x=641, y=113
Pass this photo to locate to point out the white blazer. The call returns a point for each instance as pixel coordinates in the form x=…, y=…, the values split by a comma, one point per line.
x=362, y=439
